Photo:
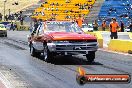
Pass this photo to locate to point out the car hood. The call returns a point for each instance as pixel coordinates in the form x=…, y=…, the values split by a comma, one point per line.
x=3, y=29
x=70, y=36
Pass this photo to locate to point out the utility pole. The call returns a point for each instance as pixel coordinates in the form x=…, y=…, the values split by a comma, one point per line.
x=4, y=8
x=9, y=11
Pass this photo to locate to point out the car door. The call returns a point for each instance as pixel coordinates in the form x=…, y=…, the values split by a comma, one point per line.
x=38, y=43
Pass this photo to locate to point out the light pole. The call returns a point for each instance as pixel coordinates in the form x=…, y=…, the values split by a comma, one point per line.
x=4, y=8
x=9, y=11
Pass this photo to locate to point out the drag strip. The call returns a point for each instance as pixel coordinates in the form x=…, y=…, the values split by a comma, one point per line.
x=39, y=74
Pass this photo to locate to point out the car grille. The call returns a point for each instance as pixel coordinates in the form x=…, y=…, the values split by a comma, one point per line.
x=1, y=31
x=77, y=46
x=82, y=41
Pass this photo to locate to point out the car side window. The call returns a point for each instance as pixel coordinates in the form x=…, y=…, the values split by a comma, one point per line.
x=37, y=31
x=41, y=29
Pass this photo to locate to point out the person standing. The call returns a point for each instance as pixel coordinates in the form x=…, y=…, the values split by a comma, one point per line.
x=21, y=20
x=15, y=26
x=114, y=28
x=130, y=26
x=1, y=17
x=6, y=17
x=122, y=26
x=12, y=26
x=95, y=26
x=79, y=21
x=104, y=25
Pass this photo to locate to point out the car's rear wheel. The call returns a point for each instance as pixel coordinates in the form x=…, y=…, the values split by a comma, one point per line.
x=90, y=57
x=48, y=56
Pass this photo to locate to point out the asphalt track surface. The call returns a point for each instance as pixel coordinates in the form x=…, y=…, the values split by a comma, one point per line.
x=24, y=71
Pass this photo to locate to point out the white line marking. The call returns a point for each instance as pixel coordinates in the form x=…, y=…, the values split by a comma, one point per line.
x=109, y=51
x=6, y=83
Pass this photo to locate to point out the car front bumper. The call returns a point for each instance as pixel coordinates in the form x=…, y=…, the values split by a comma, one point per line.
x=82, y=48
x=3, y=32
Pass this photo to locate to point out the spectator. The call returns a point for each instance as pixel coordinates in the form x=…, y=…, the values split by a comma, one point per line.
x=77, y=4
x=15, y=3
x=19, y=17
x=130, y=26
x=45, y=1
x=21, y=12
x=11, y=17
x=21, y=20
x=109, y=13
x=95, y=26
x=89, y=6
x=15, y=26
x=42, y=13
x=104, y=25
x=122, y=26
x=73, y=20
x=6, y=17
x=12, y=26
x=113, y=28
x=79, y=21
x=16, y=15
x=1, y=17
x=68, y=1
x=42, y=5
x=52, y=4
x=57, y=9
x=66, y=11
x=71, y=11
x=89, y=0
x=31, y=27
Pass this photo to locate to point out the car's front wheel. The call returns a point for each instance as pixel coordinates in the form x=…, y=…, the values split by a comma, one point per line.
x=47, y=54
x=5, y=35
x=90, y=57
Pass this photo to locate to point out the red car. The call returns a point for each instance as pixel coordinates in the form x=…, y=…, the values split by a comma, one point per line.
x=62, y=38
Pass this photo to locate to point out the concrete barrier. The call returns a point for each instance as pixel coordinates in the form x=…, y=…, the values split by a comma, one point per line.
x=98, y=36
x=130, y=35
x=23, y=27
x=19, y=26
x=106, y=29
x=120, y=45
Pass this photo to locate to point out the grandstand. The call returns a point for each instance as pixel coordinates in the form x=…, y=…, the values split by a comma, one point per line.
x=16, y=5
x=94, y=11
x=121, y=9
x=63, y=9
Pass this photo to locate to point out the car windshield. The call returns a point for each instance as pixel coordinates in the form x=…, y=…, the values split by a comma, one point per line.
x=62, y=27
